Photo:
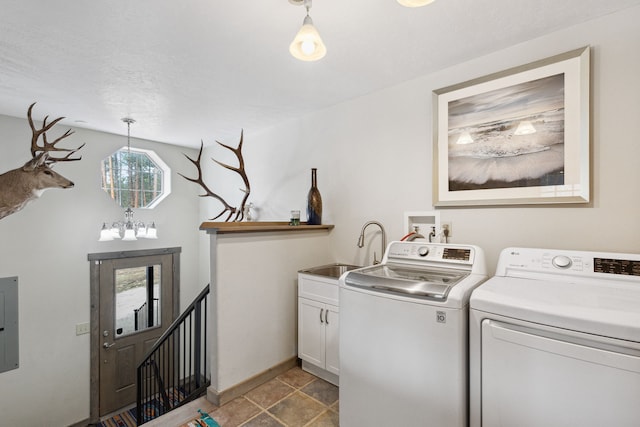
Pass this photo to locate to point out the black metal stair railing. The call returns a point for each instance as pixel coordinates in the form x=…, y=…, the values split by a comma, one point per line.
x=142, y=319
x=176, y=369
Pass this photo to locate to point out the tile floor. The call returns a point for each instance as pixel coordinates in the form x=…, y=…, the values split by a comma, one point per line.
x=293, y=399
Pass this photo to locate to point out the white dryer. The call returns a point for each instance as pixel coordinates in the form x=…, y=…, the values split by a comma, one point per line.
x=555, y=341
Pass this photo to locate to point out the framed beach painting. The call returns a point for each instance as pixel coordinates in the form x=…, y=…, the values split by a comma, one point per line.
x=520, y=136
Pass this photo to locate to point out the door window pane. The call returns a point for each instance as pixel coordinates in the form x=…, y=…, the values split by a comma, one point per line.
x=137, y=299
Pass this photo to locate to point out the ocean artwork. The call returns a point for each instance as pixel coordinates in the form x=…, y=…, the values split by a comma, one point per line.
x=508, y=137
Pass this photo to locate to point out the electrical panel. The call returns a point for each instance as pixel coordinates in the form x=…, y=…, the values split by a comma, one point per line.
x=8, y=323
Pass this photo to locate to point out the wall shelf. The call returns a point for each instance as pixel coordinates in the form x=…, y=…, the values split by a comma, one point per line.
x=259, y=227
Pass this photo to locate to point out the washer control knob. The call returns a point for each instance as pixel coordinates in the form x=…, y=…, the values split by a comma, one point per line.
x=561, y=261
x=423, y=250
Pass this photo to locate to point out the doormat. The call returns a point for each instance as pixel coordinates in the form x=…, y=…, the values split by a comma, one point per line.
x=125, y=419
x=150, y=410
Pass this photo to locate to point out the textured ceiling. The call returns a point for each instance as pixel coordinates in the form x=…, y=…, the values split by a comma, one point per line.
x=204, y=69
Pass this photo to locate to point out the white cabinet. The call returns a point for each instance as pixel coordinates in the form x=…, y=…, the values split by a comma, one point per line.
x=318, y=326
x=318, y=334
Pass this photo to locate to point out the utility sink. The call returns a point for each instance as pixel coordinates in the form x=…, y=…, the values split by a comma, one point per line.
x=331, y=270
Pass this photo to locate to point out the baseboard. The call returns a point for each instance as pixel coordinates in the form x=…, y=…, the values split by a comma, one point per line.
x=219, y=398
x=321, y=373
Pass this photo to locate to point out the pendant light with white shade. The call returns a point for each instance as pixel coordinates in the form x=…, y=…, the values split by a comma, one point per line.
x=307, y=45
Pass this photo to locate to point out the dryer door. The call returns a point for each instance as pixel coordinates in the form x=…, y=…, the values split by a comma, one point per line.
x=541, y=376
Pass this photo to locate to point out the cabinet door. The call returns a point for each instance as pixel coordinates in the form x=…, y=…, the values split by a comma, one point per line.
x=332, y=326
x=311, y=331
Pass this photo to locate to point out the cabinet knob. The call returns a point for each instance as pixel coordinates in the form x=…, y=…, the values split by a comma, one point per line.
x=321, y=310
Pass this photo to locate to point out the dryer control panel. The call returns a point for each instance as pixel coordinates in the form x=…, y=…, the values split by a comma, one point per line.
x=616, y=266
x=526, y=261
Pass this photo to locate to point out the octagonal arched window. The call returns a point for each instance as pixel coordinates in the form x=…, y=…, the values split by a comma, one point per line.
x=135, y=178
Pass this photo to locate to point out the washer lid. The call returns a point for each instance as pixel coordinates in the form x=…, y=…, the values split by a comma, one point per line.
x=607, y=307
x=432, y=283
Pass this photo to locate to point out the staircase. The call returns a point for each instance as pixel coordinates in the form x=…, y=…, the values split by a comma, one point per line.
x=176, y=369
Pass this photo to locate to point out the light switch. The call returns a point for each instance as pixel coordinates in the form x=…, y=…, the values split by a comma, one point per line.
x=82, y=328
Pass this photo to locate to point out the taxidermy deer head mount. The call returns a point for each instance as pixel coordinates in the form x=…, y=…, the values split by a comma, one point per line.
x=19, y=186
x=234, y=214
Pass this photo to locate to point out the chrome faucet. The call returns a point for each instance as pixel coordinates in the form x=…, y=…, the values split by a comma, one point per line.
x=384, y=239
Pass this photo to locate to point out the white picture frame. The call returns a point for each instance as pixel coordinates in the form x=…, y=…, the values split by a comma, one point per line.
x=520, y=136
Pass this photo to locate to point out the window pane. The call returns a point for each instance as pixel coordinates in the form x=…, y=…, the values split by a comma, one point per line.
x=137, y=299
x=135, y=178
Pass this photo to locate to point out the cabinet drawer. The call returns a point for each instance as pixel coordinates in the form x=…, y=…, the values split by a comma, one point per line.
x=318, y=288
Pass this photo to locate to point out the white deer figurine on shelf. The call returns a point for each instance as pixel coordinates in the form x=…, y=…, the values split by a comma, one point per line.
x=19, y=186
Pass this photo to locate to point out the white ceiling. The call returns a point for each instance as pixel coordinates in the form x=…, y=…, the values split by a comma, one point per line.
x=188, y=70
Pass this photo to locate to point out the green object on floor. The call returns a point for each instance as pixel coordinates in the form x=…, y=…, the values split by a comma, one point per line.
x=207, y=419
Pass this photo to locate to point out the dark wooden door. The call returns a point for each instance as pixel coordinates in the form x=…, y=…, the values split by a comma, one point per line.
x=136, y=307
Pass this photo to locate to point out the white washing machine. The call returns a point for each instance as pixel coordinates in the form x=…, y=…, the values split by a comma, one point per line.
x=555, y=341
x=404, y=335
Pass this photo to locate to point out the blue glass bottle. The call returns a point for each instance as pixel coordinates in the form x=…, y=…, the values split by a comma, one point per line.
x=314, y=201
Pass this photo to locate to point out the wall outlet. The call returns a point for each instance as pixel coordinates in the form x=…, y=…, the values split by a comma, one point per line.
x=82, y=328
x=447, y=226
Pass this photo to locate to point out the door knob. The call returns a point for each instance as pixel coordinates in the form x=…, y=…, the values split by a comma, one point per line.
x=107, y=345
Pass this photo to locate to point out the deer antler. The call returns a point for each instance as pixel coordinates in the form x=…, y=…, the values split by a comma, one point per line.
x=239, y=170
x=239, y=213
x=50, y=146
x=208, y=193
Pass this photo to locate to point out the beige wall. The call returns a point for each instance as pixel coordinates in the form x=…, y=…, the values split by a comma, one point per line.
x=374, y=156
x=254, y=300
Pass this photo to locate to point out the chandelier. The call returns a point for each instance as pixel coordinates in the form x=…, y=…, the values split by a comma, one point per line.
x=128, y=229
